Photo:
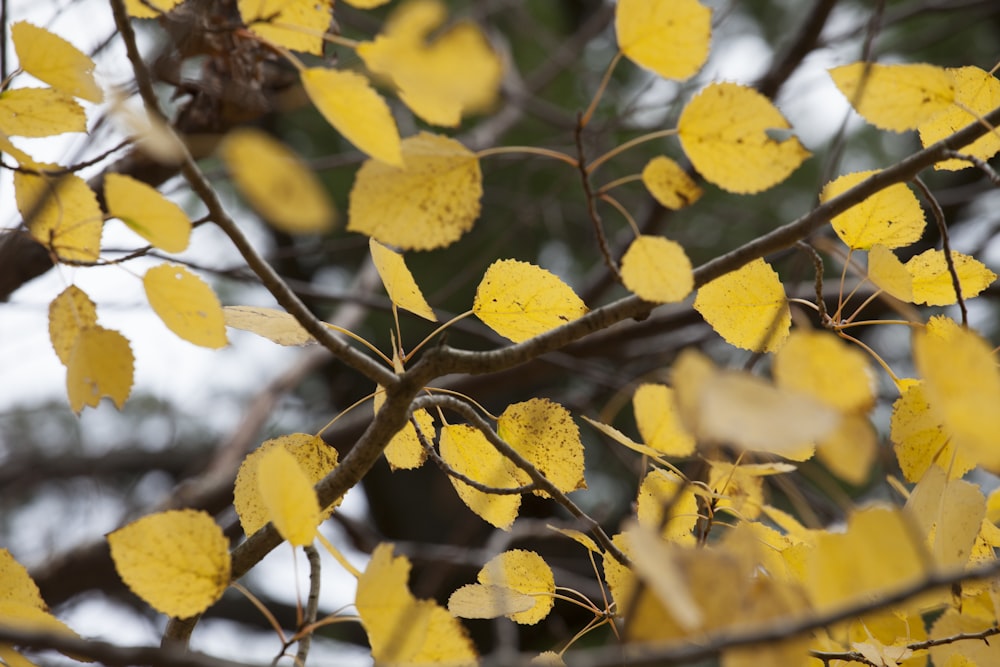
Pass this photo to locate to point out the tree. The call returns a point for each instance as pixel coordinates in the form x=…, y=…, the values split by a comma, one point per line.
x=776, y=475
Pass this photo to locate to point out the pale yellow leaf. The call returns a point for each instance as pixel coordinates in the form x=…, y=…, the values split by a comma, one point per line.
x=39, y=112
x=891, y=217
x=653, y=560
x=889, y=274
x=545, y=434
x=313, y=456
x=660, y=490
x=523, y=572
x=962, y=386
x=580, y=538
x=177, y=561
x=278, y=184
x=140, y=10
x=519, y=300
x=147, y=212
x=479, y=601
x=658, y=421
x=16, y=585
x=895, y=97
x=298, y=25
x=186, y=304
x=739, y=488
x=275, y=325
x=62, y=214
x=670, y=37
x=441, y=78
x=288, y=496
x=100, y=364
x=20, y=615
x=351, y=105
x=428, y=202
x=55, y=61
x=920, y=440
x=399, y=283
x=932, y=282
x=977, y=92
x=656, y=269
x=405, y=451
x=747, y=307
x=70, y=313
x=366, y=4
x=849, y=451
x=548, y=659
x=467, y=451
x=726, y=131
x=824, y=367
x=669, y=184
x=956, y=622
x=949, y=514
x=623, y=439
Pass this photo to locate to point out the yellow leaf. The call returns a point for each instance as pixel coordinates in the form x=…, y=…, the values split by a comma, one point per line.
x=955, y=622
x=467, y=451
x=545, y=434
x=313, y=456
x=850, y=450
x=891, y=217
x=849, y=567
x=39, y=112
x=55, y=61
x=62, y=214
x=16, y=585
x=275, y=325
x=949, y=513
x=661, y=489
x=177, y=561
x=146, y=212
x=288, y=496
x=725, y=132
x=656, y=269
x=932, y=283
x=669, y=184
x=889, y=274
x=655, y=562
x=186, y=304
x=441, y=80
x=548, y=659
x=428, y=203
x=478, y=601
x=740, y=488
x=351, y=105
x=298, y=25
x=366, y=4
x=920, y=439
x=280, y=187
x=747, y=307
x=623, y=439
x=670, y=37
x=20, y=615
x=658, y=421
x=140, y=10
x=520, y=300
x=962, y=386
x=405, y=451
x=523, y=572
x=70, y=313
x=820, y=365
x=895, y=97
x=978, y=92
x=399, y=283
x=100, y=364
x=403, y=630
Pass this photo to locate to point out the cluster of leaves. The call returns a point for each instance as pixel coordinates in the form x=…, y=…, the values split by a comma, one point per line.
x=671, y=573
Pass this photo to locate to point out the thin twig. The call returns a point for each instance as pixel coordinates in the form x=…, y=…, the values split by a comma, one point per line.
x=938, y=213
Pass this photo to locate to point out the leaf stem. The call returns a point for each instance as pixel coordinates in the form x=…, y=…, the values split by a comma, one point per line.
x=337, y=555
x=434, y=333
x=592, y=167
x=618, y=181
x=533, y=150
x=624, y=211
x=585, y=118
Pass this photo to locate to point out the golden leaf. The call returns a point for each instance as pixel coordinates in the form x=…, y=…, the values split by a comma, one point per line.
x=895, y=97
x=658, y=421
x=467, y=451
x=949, y=513
x=919, y=437
x=275, y=325
x=429, y=202
x=288, y=495
x=850, y=450
x=523, y=572
x=661, y=489
x=62, y=214
x=70, y=313
x=146, y=212
x=16, y=585
x=479, y=601
x=656, y=269
x=747, y=307
x=186, y=304
x=545, y=434
x=100, y=364
x=39, y=112
x=889, y=274
x=140, y=10
x=891, y=217
x=670, y=37
x=405, y=451
x=399, y=283
x=977, y=92
x=298, y=25
x=55, y=61
x=820, y=365
x=932, y=282
x=669, y=184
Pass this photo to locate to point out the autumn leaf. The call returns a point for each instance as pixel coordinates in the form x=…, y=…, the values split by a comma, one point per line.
x=275, y=325
x=62, y=214
x=16, y=584
x=429, y=202
x=278, y=184
x=747, y=307
x=932, y=281
x=454, y=74
x=889, y=274
x=100, y=364
x=467, y=451
x=820, y=365
x=657, y=269
x=298, y=25
x=55, y=61
x=895, y=97
x=39, y=112
x=478, y=601
x=544, y=433
x=146, y=212
x=670, y=37
x=288, y=495
x=849, y=451
x=949, y=512
x=891, y=217
x=977, y=92
x=186, y=304
x=669, y=184
x=919, y=437
x=726, y=131
x=351, y=105
x=70, y=313
x=658, y=421
x=177, y=561
x=140, y=9
x=520, y=300
x=405, y=451
x=660, y=491
x=399, y=283
x=523, y=572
